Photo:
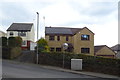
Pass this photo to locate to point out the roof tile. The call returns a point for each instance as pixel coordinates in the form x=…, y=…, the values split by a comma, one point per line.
x=20, y=27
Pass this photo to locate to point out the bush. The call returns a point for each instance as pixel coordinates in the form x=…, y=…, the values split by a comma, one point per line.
x=11, y=42
x=15, y=52
x=4, y=41
x=5, y=52
x=90, y=63
x=13, y=49
x=42, y=45
x=18, y=41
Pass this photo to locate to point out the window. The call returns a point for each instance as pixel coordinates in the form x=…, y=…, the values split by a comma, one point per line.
x=11, y=33
x=52, y=38
x=85, y=50
x=58, y=49
x=84, y=37
x=52, y=49
x=21, y=33
x=24, y=43
x=58, y=38
x=67, y=38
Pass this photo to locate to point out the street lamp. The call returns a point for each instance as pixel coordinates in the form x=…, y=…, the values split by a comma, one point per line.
x=65, y=47
x=37, y=34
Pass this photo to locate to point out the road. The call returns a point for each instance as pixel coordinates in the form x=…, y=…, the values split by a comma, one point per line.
x=12, y=69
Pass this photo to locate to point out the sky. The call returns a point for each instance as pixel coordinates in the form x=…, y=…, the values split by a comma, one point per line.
x=100, y=16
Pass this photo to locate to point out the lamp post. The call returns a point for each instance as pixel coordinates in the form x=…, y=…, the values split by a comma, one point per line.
x=65, y=47
x=37, y=35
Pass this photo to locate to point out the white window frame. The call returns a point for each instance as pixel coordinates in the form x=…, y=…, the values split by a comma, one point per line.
x=24, y=44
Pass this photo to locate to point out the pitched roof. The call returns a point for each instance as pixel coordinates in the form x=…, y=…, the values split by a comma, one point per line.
x=97, y=48
x=116, y=47
x=20, y=27
x=61, y=30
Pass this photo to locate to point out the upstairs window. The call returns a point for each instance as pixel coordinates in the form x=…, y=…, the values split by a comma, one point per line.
x=85, y=37
x=21, y=33
x=51, y=38
x=11, y=33
x=85, y=50
x=67, y=38
x=58, y=38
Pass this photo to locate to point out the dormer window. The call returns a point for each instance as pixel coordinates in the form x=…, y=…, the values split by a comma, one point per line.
x=85, y=37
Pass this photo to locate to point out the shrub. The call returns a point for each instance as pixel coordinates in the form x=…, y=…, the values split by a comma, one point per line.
x=11, y=42
x=4, y=41
x=42, y=45
x=18, y=41
x=16, y=51
x=5, y=52
x=13, y=49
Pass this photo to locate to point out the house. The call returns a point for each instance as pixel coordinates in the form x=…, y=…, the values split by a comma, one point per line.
x=2, y=34
x=103, y=51
x=80, y=40
x=116, y=49
x=25, y=31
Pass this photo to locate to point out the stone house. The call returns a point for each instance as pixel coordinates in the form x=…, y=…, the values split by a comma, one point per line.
x=79, y=40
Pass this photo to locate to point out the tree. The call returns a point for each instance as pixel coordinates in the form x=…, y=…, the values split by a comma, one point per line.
x=18, y=41
x=42, y=45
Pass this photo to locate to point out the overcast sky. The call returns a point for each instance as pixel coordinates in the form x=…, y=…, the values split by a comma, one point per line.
x=100, y=16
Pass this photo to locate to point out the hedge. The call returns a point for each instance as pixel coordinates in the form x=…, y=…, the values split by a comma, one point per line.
x=5, y=53
x=4, y=41
x=12, y=49
x=15, y=52
x=11, y=42
x=90, y=63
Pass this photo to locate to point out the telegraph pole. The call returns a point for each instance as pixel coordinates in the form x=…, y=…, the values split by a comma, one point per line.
x=37, y=35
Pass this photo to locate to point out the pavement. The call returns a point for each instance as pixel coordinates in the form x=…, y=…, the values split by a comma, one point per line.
x=100, y=75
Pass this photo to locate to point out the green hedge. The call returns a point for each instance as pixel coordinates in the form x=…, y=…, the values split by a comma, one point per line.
x=12, y=49
x=5, y=52
x=4, y=41
x=90, y=63
x=11, y=42
x=15, y=52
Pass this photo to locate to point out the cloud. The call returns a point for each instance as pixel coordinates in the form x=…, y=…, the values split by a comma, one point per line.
x=98, y=15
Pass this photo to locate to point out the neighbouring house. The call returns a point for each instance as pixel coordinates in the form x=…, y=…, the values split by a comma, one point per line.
x=80, y=40
x=25, y=31
x=116, y=49
x=3, y=34
x=103, y=51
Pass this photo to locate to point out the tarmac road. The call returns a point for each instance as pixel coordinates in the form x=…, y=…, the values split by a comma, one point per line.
x=12, y=69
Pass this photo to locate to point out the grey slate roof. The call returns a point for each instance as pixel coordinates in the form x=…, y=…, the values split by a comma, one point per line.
x=20, y=27
x=61, y=30
x=116, y=47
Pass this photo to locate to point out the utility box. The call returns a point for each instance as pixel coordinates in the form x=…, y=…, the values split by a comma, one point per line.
x=76, y=64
